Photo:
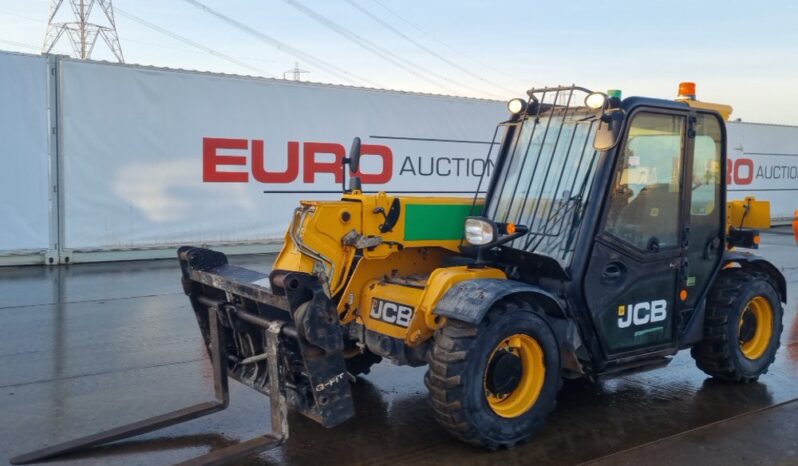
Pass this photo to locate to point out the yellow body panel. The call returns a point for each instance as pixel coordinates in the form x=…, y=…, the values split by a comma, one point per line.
x=320, y=228
x=372, y=221
x=424, y=323
x=724, y=110
x=421, y=293
x=394, y=293
x=748, y=213
x=404, y=263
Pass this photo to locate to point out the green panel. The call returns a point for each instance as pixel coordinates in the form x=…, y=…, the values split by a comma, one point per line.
x=436, y=221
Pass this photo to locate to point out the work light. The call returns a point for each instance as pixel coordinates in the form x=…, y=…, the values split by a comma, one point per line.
x=516, y=106
x=595, y=100
x=479, y=231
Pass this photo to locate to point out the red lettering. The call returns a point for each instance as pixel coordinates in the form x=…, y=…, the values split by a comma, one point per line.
x=211, y=160
x=312, y=166
x=729, y=170
x=259, y=165
x=749, y=176
x=383, y=152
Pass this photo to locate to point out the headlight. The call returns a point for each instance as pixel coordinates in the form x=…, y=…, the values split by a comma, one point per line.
x=479, y=231
x=516, y=106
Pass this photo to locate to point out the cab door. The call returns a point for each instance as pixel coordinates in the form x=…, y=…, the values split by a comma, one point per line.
x=636, y=270
x=706, y=216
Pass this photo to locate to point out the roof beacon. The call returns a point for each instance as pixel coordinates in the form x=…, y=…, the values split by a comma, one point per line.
x=686, y=91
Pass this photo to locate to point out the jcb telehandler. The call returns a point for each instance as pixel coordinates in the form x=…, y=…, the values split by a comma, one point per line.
x=602, y=246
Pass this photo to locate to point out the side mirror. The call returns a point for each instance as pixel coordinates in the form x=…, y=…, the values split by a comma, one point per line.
x=608, y=133
x=354, y=155
x=610, y=119
x=353, y=160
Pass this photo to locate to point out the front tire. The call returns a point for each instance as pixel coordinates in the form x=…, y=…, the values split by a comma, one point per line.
x=493, y=384
x=742, y=328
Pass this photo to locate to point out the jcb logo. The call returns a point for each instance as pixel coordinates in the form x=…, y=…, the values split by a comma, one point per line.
x=392, y=313
x=642, y=313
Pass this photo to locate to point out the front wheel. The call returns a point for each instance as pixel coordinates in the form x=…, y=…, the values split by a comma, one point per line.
x=493, y=384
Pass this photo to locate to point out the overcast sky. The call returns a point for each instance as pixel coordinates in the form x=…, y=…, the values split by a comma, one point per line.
x=743, y=53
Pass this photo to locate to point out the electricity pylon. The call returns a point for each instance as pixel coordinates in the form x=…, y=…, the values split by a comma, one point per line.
x=82, y=33
x=296, y=72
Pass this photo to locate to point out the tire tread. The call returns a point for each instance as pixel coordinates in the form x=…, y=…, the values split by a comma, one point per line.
x=712, y=354
x=445, y=377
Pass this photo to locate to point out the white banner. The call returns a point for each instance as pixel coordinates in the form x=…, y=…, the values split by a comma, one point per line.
x=156, y=157
x=24, y=147
x=763, y=162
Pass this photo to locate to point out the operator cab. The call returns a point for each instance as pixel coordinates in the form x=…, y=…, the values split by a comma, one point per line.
x=620, y=202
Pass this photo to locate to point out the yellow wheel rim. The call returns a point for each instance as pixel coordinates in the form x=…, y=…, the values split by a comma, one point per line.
x=755, y=329
x=533, y=374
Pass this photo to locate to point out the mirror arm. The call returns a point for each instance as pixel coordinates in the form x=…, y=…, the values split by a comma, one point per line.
x=344, y=163
x=355, y=184
x=353, y=162
x=613, y=122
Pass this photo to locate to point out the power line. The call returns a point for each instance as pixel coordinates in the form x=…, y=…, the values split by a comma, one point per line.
x=20, y=44
x=191, y=42
x=363, y=43
x=38, y=48
x=203, y=52
x=35, y=20
x=458, y=52
x=376, y=49
x=425, y=48
x=200, y=48
x=328, y=67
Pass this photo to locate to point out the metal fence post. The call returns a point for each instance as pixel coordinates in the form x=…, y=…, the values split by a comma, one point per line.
x=53, y=253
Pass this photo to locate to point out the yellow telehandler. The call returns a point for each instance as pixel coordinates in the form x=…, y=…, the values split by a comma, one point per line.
x=601, y=247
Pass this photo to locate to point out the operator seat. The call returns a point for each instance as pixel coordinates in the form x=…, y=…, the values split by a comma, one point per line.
x=656, y=210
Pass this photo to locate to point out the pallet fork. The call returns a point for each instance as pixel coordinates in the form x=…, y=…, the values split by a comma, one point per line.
x=278, y=435
x=277, y=334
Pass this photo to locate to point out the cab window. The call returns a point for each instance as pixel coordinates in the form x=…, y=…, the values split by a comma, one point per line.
x=706, y=168
x=646, y=189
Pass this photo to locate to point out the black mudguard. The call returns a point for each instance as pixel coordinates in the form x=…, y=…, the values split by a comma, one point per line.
x=470, y=300
x=311, y=347
x=747, y=259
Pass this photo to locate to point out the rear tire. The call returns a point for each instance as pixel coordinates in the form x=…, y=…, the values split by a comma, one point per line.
x=742, y=326
x=463, y=364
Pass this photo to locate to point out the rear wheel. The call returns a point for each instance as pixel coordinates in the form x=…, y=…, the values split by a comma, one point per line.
x=742, y=327
x=493, y=384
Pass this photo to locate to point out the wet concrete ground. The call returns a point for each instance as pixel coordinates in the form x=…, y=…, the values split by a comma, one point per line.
x=89, y=347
